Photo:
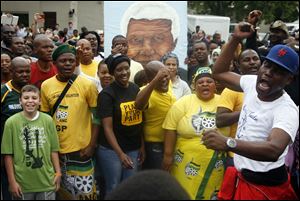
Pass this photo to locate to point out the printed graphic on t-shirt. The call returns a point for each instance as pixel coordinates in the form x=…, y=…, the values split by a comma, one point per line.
x=130, y=115
x=15, y=107
x=203, y=120
x=178, y=157
x=242, y=122
x=192, y=169
x=62, y=113
x=33, y=138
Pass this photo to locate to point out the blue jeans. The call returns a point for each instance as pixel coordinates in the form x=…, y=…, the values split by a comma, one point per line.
x=112, y=168
x=154, y=155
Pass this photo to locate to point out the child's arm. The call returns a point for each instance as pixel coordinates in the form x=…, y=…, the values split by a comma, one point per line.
x=15, y=188
x=55, y=162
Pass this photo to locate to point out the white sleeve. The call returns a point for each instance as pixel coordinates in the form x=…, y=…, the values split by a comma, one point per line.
x=247, y=82
x=286, y=117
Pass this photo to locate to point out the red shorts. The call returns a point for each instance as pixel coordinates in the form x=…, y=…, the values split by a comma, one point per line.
x=235, y=187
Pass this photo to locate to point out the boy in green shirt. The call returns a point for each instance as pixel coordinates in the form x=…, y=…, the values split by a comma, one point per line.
x=30, y=148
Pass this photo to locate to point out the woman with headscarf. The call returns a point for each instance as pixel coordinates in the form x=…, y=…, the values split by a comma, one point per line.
x=198, y=169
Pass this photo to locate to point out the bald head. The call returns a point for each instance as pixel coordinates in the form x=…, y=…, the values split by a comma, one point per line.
x=20, y=70
x=152, y=69
x=40, y=39
x=83, y=42
x=87, y=52
x=19, y=61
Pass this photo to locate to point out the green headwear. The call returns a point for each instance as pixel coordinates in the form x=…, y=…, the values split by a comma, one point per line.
x=202, y=72
x=65, y=48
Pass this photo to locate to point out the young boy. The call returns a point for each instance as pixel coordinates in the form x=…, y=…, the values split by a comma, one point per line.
x=30, y=148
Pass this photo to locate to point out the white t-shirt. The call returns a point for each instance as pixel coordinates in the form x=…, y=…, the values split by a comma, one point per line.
x=95, y=79
x=258, y=118
x=98, y=58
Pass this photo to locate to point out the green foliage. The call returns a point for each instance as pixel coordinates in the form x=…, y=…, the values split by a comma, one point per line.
x=287, y=11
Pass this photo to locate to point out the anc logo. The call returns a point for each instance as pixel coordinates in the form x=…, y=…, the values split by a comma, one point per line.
x=178, y=156
x=203, y=120
x=62, y=113
x=192, y=169
x=84, y=183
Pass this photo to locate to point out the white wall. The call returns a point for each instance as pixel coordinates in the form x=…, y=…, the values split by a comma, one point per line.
x=89, y=13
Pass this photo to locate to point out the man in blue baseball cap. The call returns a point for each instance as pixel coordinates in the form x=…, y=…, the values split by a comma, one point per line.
x=268, y=123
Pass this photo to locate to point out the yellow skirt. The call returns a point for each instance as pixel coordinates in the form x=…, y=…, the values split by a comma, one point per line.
x=199, y=170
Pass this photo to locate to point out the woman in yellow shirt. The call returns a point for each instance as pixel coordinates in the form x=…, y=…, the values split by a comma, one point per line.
x=198, y=170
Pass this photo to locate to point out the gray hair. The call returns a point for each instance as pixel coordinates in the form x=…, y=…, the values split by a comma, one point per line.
x=168, y=56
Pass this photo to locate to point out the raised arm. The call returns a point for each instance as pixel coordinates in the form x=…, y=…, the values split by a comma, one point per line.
x=221, y=68
x=143, y=96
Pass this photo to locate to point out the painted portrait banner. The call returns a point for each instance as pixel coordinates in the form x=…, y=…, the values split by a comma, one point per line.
x=152, y=28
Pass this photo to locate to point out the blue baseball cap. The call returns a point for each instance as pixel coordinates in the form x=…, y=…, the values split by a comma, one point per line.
x=285, y=57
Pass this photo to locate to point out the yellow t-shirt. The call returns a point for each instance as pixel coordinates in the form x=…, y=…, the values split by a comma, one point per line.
x=154, y=115
x=233, y=101
x=190, y=116
x=91, y=69
x=73, y=117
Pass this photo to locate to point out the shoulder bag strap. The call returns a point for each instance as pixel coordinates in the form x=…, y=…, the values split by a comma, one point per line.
x=70, y=82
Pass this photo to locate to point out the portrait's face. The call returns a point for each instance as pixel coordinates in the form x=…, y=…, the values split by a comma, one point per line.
x=149, y=40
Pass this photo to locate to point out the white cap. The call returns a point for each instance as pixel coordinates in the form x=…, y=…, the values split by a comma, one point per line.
x=151, y=10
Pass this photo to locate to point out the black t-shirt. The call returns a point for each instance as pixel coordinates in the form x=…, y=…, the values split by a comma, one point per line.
x=118, y=102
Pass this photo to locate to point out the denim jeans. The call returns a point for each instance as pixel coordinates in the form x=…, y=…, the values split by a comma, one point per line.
x=154, y=155
x=112, y=168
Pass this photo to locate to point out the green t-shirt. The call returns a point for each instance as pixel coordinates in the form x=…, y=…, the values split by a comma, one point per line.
x=31, y=144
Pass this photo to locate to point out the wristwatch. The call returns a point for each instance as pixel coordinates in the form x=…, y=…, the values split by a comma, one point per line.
x=231, y=143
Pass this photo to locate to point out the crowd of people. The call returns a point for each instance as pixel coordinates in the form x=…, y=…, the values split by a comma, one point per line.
x=78, y=124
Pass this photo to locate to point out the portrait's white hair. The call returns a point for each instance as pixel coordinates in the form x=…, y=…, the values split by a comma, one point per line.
x=151, y=10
